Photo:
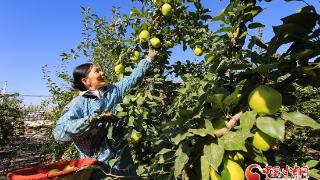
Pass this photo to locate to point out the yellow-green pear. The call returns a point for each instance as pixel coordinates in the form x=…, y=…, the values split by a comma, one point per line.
x=265, y=100
x=166, y=9
x=197, y=51
x=155, y=42
x=144, y=36
x=119, y=69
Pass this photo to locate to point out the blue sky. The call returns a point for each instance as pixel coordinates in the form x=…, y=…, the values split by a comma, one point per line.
x=35, y=32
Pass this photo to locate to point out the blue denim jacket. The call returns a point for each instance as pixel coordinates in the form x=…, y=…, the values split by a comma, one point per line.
x=91, y=139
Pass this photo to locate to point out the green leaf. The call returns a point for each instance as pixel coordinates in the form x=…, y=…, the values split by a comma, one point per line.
x=243, y=34
x=214, y=154
x=300, y=119
x=199, y=132
x=112, y=162
x=141, y=170
x=256, y=11
x=90, y=167
x=216, y=99
x=260, y=44
x=290, y=32
x=220, y=16
x=122, y=114
x=131, y=121
x=126, y=100
x=265, y=67
x=245, y=6
x=256, y=155
x=208, y=126
x=256, y=41
x=180, y=137
x=248, y=119
x=187, y=113
x=140, y=100
x=255, y=25
x=119, y=108
x=182, y=154
x=305, y=54
x=260, y=158
x=225, y=29
x=306, y=19
x=233, y=98
x=205, y=168
x=274, y=128
x=235, y=140
x=109, y=133
x=252, y=42
x=312, y=163
x=239, y=66
x=163, y=151
x=205, y=17
x=315, y=173
x=274, y=44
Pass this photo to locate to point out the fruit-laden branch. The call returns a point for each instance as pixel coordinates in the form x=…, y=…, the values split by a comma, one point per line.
x=229, y=126
x=219, y=133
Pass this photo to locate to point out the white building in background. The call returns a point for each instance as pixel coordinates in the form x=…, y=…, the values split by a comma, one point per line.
x=34, y=116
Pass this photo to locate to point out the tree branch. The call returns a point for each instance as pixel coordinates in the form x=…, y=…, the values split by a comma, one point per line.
x=219, y=133
x=229, y=126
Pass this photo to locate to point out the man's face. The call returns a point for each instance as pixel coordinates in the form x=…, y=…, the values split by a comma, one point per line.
x=94, y=80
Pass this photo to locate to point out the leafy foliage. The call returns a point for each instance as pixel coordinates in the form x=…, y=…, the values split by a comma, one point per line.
x=182, y=123
x=61, y=95
x=307, y=101
x=11, y=114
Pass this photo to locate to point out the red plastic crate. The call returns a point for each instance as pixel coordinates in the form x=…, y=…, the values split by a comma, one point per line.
x=41, y=172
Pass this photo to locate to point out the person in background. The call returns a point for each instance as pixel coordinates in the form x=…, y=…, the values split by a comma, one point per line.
x=83, y=123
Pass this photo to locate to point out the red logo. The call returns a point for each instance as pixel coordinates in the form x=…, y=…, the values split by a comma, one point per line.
x=275, y=172
x=251, y=175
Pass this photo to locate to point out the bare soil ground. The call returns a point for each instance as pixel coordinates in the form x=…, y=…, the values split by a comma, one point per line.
x=24, y=150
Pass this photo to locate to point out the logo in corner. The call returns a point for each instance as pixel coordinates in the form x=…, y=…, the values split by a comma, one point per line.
x=252, y=175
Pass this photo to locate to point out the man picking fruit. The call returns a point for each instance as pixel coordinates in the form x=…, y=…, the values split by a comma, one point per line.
x=85, y=125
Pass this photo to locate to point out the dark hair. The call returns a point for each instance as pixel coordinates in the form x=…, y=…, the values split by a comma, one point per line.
x=79, y=73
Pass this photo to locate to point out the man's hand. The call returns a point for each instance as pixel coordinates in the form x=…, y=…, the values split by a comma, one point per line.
x=152, y=53
x=105, y=118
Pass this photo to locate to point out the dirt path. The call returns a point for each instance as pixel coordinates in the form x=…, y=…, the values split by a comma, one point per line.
x=23, y=151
